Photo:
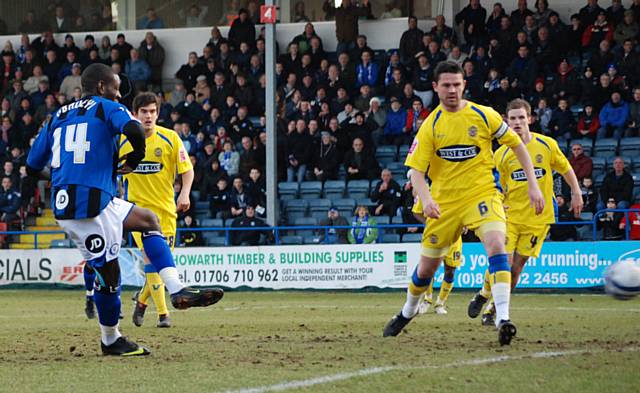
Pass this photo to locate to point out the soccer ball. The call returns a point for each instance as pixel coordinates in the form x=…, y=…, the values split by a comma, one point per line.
x=622, y=280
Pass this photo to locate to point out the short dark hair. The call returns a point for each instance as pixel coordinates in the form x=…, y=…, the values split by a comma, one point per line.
x=144, y=99
x=93, y=74
x=447, y=67
x=519, y=103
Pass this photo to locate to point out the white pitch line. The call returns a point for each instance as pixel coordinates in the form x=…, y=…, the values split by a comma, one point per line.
x=305, y=383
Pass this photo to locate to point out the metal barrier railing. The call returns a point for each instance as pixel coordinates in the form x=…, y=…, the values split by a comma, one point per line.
x=278, y=230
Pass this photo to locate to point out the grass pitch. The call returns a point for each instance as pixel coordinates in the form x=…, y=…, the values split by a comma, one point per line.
x=323, y=342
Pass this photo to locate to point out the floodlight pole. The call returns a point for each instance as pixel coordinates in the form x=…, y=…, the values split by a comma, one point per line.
x=270, y=114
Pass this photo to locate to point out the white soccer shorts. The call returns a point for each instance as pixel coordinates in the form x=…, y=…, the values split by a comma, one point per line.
x=101, y=235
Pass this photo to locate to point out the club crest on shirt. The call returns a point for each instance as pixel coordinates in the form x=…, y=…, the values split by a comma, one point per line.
x=433, y=239
x=473, y=131
x=158, y=152
x=539, y=158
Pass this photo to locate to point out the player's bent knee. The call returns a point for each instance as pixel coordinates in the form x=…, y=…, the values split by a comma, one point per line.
x=108, y=277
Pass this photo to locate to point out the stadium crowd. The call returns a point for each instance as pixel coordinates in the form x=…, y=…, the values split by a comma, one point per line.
x=350, y=114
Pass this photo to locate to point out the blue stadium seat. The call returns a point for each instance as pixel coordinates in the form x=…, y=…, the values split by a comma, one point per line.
x=605, y=147
x=390, y=238
x=587, y=145
x=630, y=146
x=366, y=202
x=397, y=220
x=635, y=163
x=334, y=189
x=599, y=163
x=636, y=179
x=291, y=240
x=584, y=232
x=195, y=194
x=296, y=208
x=342, y=173
x=384, y=220
x=397, y=168
x=305, y=221
x=311, y=239
x=412, y=238
x=345, y=206
x=358, y=188
x=386, y=154
x=320, y=205
x=211, y=222
x=310, y=189
x=598, y=180
x=402, y=152
x=213, y=239
x=202, y=208
x=288, y=190
x=586, y=216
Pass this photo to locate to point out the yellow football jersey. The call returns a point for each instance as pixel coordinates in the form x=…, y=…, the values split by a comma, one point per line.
x=456, y=148
x=151, y=184
x=546, y=157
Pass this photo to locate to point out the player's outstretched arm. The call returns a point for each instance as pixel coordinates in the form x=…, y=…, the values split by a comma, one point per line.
x=429, y=207
x=135, y=134
x=576, y=194
x=535, y=195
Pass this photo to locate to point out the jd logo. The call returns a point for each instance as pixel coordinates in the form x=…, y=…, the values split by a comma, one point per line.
x=62, y=199
x=94, y=243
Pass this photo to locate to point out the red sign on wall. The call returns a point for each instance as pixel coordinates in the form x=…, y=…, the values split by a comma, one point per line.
x=268, y=14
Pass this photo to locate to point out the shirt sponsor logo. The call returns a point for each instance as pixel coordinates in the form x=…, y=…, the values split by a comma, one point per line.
x=457, y=153
x=146, y=168
x=519, y=174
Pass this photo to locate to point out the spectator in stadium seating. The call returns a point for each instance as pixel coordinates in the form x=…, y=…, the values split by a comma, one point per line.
x=188, y=73
x=589, y=194
x=582, y=164
x=589, y=13
x=219, y=199
x=364, y=230
x=248, y=220
x=472, y=20
x=415, y=115
x=628, y=62
x=615, y=12
x=633, y=126
x=601, y=58
x=588, y=123
x=562, y=123
x=440, y=31
x=611, y=222
x=422, y=80
x=346, y=17
x=627, y=29
x=31, y=84
x=123, y=47
x=247, y=157
x=333, y=235
x=212, y=173
x=9, y=170
x=153, y=54
x=9, y=201
x=242, y=30
x=474, y=83
x=523, y=70
x=367, y=71
x=543, y=114
x=59, y=22
x=394, y=130
x=494, y=19
x=565, y=82
x=600, y=30
x=150, y=21
x=613, y=117
x=303, y=40
x=16, y=94
x=387, y=194
x=633, y=221
x=46, y=109
x=229, y=159
x=202, y=90
x=138, y=71
x=257, y=189
x=617, y=184
x=207, y=153
x=196, y=16
x=298, y=152
x=519, y=14
x=457, y=56
x=410, y=41
x=240, y=198
x=178, y=94
x=325, y=159
x=359, y=163
x=563, y=232
x=361, y=102
x=190, y=238
x=546, y=52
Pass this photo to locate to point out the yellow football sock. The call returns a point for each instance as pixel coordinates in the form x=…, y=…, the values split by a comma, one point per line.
x=486, y=286
x=156, y=286
x=145, y=292
x=445, y=290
